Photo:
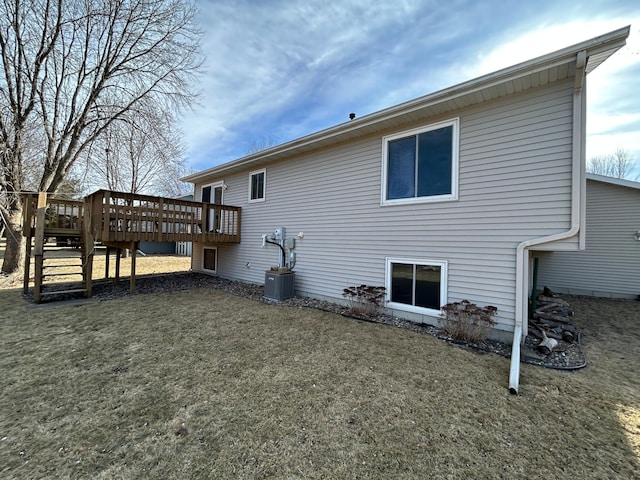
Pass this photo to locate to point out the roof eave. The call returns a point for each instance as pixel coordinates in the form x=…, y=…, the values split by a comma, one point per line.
x=622, y=182
x=600, y=48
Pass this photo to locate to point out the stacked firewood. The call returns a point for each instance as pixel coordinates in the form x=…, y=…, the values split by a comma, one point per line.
x=552, y=322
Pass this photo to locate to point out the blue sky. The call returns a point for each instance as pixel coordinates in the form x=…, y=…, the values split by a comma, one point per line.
x=277, y=70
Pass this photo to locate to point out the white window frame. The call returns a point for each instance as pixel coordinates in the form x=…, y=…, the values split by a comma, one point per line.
x=443, y=264
x=213, y=186
x=455, y=124
x=219, y=184
x=215, y=249
x=264, y=189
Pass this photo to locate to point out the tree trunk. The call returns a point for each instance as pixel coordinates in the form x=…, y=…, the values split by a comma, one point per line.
x=14, y=253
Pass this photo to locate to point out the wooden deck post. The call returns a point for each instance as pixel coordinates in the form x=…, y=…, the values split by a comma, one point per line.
x=87, y=258
x=88, y=247
x=134, y=254
x=27, y=213
x=27, y=264
x=106, y=262
x=39, y=245
x=118, y=255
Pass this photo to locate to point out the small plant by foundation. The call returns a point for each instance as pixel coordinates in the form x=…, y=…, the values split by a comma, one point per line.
x=467, y=321
x=365, y=299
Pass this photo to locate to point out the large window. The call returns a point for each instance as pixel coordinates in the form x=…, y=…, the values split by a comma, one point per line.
x=417, y=285
x=257, y=185
x=421, y=165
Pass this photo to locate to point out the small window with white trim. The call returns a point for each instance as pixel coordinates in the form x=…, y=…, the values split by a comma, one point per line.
x=418, y=286
x=210, y=259
x=421, y=165
x=257, y=185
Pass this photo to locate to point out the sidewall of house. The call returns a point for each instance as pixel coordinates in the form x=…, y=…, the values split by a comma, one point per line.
x=514, y=185
x=610, y=264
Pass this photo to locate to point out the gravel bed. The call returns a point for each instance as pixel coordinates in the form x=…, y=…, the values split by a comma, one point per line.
x=567, y=356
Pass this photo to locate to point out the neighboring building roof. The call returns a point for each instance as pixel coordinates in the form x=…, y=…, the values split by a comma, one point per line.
x=613, y=181
x=540, y=71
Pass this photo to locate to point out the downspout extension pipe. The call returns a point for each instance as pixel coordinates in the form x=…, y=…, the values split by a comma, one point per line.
x=522, y=251
x=522, y=272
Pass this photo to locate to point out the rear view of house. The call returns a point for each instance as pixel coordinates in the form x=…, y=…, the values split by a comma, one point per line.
x=439, y=199
x=610, y=264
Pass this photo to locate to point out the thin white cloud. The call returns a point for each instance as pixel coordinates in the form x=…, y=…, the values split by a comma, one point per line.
x=604, y=84
x=261, y=58
x=282, y=69
x=267, y=57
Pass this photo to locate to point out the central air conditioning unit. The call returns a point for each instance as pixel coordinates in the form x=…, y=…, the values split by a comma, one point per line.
x=279, y=285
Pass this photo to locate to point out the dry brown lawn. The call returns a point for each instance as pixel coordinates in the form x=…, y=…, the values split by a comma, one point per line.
x=145, y=265
x=203, y=384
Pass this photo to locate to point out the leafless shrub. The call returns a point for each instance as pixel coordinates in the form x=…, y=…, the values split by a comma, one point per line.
x=365, y=299
x=467, y=321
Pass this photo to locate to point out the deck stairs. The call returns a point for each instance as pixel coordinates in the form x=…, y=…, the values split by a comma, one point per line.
x=61, y=248
x=63, y=270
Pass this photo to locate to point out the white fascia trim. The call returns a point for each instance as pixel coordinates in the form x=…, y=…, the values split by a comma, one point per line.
x=611, y=41
x=621, y=182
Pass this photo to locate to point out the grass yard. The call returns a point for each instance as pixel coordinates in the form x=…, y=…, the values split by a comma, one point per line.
x=145, y=265
x=203, y=384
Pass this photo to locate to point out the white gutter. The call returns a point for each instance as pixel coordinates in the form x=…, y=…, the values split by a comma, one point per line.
x=608, y=42
x=621, y=182
x=522, y=251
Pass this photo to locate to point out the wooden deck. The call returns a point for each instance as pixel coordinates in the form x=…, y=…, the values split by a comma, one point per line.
x=120, y=220
x=116, y=217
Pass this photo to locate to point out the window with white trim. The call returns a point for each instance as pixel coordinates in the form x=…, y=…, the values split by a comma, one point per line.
x=213, y=193
x=257, y=185
x=418, y=286
x=210, y=259
x=421, y=165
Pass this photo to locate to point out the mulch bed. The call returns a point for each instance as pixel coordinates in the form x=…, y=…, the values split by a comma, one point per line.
x=567, y=356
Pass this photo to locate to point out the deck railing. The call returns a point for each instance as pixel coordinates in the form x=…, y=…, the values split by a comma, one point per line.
x=61, y=216
x=127, y=217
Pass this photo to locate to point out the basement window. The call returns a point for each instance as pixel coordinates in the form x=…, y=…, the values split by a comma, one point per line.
x=210, y=260
x=421, y=165
x=257, y=185
x=418, y=286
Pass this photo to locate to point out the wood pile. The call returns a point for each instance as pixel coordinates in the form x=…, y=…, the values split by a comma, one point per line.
x=552, y=322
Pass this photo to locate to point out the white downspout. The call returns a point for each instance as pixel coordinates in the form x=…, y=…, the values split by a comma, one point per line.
x=522, y=251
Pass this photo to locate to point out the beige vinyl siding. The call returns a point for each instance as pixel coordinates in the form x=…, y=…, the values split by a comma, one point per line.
x=610, y=264
x=514, y=184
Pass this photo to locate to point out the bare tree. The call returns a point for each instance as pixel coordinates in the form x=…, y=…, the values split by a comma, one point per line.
x=619, y=164
x=171, y=185
x=262, y=144
x=139, y=153
x=70, y=69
